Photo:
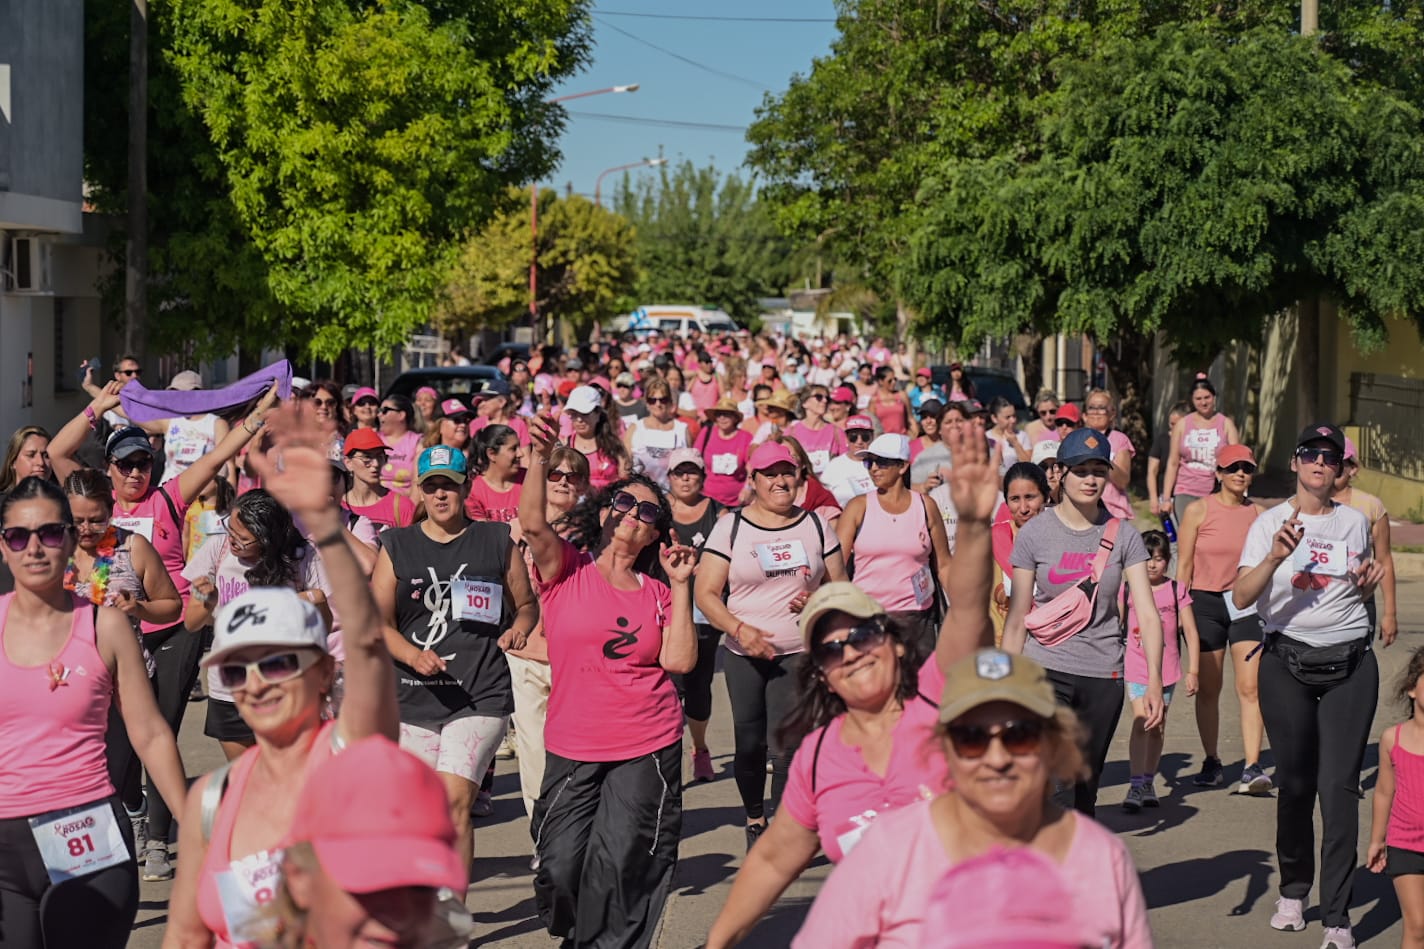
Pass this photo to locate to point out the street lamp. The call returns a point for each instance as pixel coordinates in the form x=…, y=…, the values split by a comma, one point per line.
x=598, y=185
x=534, y=212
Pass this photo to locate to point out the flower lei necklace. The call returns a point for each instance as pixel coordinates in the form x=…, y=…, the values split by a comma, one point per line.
x=99, y=574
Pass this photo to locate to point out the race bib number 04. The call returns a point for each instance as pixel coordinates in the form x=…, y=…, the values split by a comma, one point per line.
x=79, y=840
x=478, y=601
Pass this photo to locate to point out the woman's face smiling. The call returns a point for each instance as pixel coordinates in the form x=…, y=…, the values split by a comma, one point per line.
x=862, y=679
x=775, y=487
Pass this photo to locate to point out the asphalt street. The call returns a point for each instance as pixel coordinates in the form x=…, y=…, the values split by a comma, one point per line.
x=1206, y=857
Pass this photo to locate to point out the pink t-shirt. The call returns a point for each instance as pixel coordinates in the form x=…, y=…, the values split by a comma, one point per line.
x=484, y=503
x=1134, y=659
x=521, y=428
x=726, y=460
x=609, y=698
x=848, y=796
x=1115, y=498
x=392, y=510
x=153, y=518
x=398, y=473
x=877, y=896
x=821, y=444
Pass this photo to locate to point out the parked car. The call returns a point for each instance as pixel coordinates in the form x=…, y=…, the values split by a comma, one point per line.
x=511, y=350
x=676, y=319
x=458, y=381
x=989, y=384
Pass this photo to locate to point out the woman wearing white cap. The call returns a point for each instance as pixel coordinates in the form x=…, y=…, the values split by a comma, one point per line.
x=894, y=541
x=594, y=435
x=771, y=555
x=270, y=648
x=652, y=439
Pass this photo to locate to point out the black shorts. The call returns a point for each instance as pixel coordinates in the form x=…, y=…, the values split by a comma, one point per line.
x=1399, y=862
x=224, y=724
x=1216, y=628
x=1246, y=629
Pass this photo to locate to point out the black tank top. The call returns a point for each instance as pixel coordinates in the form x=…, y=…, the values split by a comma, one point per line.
x=695, y=533
x=435, y=584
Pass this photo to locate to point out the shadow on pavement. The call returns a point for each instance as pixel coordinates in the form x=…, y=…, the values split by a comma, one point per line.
x=1202, y=878
x=779, y=926
x=1376, y=888
x=524, y=921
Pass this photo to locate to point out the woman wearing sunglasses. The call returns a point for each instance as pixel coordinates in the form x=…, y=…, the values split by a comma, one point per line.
x=1308, y=565
x=367, y=496
x=894, y=540
x=270, y=652
x=822, y=440
x=866, y=705
x=64, y=662
x=365, y=409
x=454, y=594
x=567, y=481
x=846, y=476
x=1053, y=554
x=653, y=439
x=1006, y=743
x=725, y=447
x=324, y=396
x=400, y=431
x=609, y=815
x=771, y=555
x=1209, y=541
x=260, y=548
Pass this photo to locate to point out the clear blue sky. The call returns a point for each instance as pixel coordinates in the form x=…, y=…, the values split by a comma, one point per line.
x=672, y=90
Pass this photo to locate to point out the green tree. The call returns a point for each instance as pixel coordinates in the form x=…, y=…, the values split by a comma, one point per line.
x=704, y=239
x=586, y=266
x=1195, y=182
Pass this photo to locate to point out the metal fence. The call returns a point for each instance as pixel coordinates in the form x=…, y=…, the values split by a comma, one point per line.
x=1390, y=413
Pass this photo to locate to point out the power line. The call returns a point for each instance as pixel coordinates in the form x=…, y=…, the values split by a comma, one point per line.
x=661, y=123
x=681, y=58
x=720, y=19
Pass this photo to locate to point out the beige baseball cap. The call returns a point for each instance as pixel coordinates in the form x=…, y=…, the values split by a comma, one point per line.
x=838, y=597
x=992, y=675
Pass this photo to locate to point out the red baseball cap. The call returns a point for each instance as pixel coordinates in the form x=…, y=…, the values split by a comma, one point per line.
x=1231, y=454
x=377, y=818
x=566, y=387
x=1069, y=411
x=363, y=439
x=923, y=371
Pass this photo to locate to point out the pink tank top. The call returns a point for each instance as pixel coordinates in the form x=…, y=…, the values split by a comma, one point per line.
x=1196, y=474
x=52, y=722
x=258, y=872
x=704, y=394
x=891, y=414
x=1219, y=541
x=1406, y=814
x=892, y=555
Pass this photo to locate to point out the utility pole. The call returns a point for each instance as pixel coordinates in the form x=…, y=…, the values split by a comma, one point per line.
x=1307, y=343
x=136, y=247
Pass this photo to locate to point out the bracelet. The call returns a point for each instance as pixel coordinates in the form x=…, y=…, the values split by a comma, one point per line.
x=542, y=461
x=735, y=637
x=89, y=414
x=337, y=536
x=253, y=430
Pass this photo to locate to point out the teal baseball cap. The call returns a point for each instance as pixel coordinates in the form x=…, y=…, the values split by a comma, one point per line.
x=442, y=461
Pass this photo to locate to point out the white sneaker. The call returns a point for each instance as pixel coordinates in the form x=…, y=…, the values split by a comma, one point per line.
x=1340, y=937
x=1290, y=916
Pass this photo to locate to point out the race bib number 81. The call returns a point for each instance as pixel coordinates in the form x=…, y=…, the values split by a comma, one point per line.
x=79, y=840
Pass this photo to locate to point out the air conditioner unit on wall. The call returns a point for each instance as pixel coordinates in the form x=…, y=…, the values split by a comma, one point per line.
x=27, y=265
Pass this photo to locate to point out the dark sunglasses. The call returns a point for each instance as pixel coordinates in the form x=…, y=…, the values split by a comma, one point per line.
x=1063, y=423
x=858, y=435
x=817, y=397
x=1240, y=467
x=875, y=461
x=129, y=465
x=130, y=372
x=558, y=474
x=366, y=401
x=646, y=511
x=1019, y=738
x=272, y=670
x=50, y=535
x=1326, y=456
x=865, y=637
x=388, y=409
x=327, y=402
x=658, y=401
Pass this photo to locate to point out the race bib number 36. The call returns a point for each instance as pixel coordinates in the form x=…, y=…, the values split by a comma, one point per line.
x=79, y=840
x=478, y=601
x=782, y=555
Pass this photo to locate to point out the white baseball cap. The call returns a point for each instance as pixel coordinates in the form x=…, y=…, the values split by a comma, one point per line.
x=584, y=399
x=888, y=446
x=1045, y=451
x=266, y=616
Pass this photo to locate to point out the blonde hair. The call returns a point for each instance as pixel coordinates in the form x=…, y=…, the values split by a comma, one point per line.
x=657, y=386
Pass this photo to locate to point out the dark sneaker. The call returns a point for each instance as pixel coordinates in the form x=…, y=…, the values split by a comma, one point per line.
x=1254, y=780
x=1210, y=775
x=754, y=831
x=1149, y=796
x=1133, y=802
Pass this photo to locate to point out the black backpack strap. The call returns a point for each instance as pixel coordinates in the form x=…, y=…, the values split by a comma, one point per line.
x=1177, y=612
x=172, y=508
x=816, y=757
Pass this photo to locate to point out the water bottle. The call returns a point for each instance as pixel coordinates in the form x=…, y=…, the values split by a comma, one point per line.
x=1169, y=528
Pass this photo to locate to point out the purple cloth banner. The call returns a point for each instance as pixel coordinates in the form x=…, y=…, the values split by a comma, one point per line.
x=141, y=404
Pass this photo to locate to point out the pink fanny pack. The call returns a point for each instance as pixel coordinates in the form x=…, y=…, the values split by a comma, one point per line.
x=1068, y=613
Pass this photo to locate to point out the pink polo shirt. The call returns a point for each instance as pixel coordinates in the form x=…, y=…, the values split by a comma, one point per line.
x=154, y=519
x=848, y=796
x=878, y=895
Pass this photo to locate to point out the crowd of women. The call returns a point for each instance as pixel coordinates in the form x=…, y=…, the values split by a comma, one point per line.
x=928, y=622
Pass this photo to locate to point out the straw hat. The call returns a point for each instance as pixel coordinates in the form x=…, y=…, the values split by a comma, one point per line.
x=782, y=399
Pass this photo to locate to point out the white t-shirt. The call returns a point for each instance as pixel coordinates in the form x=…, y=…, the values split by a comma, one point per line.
x=947, y=512
x=1312, y=595
x=846, y=478
x=185, y=441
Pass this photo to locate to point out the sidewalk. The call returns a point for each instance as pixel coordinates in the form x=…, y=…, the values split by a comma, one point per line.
x=1207, y=857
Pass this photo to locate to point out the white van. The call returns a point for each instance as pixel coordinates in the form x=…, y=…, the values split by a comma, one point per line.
x=676, y=319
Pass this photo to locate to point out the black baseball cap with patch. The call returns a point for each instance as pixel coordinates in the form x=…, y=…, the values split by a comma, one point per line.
x=1322, y=431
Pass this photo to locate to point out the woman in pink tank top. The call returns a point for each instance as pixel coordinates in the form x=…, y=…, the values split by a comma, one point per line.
x=62, y=660
x=895, y=541
x=1397, y=824
x=890, y=405
x=1191, y=462
x=270, y=649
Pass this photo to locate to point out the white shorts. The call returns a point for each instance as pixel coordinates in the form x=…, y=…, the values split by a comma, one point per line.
x=464, y=747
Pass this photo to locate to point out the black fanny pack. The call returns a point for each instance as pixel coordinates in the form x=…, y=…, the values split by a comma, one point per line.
x=1319, y=665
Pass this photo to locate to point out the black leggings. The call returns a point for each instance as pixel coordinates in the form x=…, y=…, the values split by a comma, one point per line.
x=1318, y=735
x=695, y=688
x=1098, y=703
x=762, y=692
x=175, y=654
x=96, y=910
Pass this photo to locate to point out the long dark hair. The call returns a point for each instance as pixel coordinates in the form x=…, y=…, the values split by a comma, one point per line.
x=583, y=526
x=32, y=488
x=1408, y=679
x=490, y=438
x=407, y=408
x=817, y=705
x=607, y=440
x=282, y=545
x=343, y=420
x=1026, y=471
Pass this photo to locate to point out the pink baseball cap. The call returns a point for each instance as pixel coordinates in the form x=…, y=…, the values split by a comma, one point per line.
x=981, y=904
x=843, y=394
x=453, y=407
x=859, y=422
x=377, y=818
x=768, y=454
x=427, y=390
x=365, y=392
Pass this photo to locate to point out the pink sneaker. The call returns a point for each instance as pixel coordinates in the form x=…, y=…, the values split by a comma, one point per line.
x=702, y=766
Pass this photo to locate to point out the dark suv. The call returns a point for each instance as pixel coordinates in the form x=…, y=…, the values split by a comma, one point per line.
x=989, y=384
x=458, y=381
